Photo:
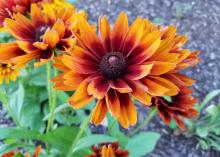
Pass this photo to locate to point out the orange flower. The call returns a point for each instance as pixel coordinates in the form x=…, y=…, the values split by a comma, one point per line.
x=181, y=106
x=38, y=37
x=9, y=7
x=109, y=150
x=12, y=153
x=115, y=66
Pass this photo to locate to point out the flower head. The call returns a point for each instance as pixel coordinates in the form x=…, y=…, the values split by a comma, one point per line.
x=12, y=153
x=47, y=29
x=108, y=150
x=129, y=60
x=181, y=106
x=8, y=73
x=9, y=7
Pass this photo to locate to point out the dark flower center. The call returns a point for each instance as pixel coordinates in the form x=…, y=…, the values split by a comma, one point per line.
x=40, y=32
x=112, y=65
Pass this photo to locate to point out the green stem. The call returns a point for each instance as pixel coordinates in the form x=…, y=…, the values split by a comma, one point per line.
x=152, y=113
x=79, y=135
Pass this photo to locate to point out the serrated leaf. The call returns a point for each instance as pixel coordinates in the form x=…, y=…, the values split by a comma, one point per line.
x=142, y=144
x=202, y=131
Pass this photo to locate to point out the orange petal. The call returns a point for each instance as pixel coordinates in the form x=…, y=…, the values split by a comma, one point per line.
x=133, y=36
x=128, y=111
x=51, y=37
x=27, y=46
x=169, y=32
x=80, y=98
x=121, y=86
x=41, y=45
x=18, y=31
x=179, y=79
x=140, y=92
x=36, y=16
x=105, y=32
x=113, y=103
x=59, y=28
x=37, y=151
x=72, y=78
x=119, y=32
x=9, y=51
x=92, y=42
x=99, y=112
x=167, y=88
x=160, y=68
x=147, y=47
x=26, y=58
x=98, y=87
x=136, y=72
x=59, y=84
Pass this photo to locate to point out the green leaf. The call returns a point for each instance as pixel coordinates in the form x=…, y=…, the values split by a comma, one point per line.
x=61, y=138
x=57, y=110
x=208, y=98
x=19, y=133
x=202, y=131
x=142, y=143
x=19, y=155
x=91, y=140
x=17, y=100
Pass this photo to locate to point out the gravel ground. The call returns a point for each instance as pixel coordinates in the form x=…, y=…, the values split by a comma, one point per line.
x=200, y=20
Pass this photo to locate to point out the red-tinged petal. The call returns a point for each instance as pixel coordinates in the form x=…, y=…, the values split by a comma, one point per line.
x=49, y=12
x=25, y=23
x=37, y=151
x=9, y=51
x=40, y=45
x=91, y=41
x=140, y=92
x=80, y=98
x=105, y=32
x=160, y=68
x=98, y=87
x=168, y=32
x=99, y=112
x=27, y=46
x=147, y=47
x=59, y=84
x=59, y=27
x=128, y=111
x=51, y=37
x=36, y=16
x=179, y=79
x=119, y=32
x=72, y=78
x=167, y=88
x=59, y=64
x=17, y=30
x=26, y=58
x=133, y=36
x=82, y=68
x=136, y=72
x=113, y=103
x=121, y=86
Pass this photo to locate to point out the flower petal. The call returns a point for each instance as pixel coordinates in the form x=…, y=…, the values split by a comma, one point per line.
x=119, y=32
x=99, y=112
x=121, y=86
x=51, y=37
x=9, y=51
x=160, y=68
x=98, y=87
x=136, y=72
x=105, y=32
x=113, y=103
x=80, y=98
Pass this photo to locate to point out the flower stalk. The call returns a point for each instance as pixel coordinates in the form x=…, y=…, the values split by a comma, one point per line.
x=152, y=113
